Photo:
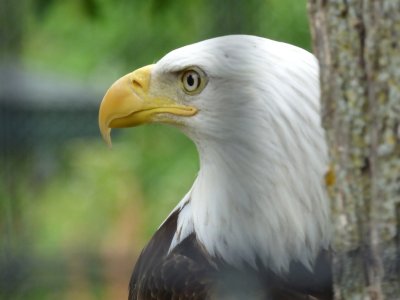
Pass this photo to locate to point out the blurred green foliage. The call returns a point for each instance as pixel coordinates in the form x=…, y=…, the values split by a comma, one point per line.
x=96, y=184
x=93, y=199
x=107, y=38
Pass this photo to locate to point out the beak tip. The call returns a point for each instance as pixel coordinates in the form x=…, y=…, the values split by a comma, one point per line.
x=106, y=134
x=109, y=144
x=107, y=139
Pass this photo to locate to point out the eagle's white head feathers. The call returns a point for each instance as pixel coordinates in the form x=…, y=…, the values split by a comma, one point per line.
x=259, y=194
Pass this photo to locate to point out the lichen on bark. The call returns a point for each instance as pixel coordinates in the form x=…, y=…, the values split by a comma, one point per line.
x=358, y=47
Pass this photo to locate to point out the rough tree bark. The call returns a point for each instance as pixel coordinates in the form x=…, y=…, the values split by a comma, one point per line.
x=358, y=45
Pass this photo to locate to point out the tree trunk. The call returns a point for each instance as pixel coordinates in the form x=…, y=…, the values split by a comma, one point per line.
x=358, y=45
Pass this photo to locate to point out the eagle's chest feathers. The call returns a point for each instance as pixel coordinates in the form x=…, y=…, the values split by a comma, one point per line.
x=247, y=207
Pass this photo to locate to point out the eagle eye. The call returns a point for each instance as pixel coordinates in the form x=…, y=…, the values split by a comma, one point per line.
x=193, y=81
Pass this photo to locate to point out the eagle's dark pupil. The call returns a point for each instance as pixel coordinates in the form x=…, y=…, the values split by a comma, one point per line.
x=190, y=80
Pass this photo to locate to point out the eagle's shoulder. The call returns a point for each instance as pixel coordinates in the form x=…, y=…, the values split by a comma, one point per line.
x=162, y=274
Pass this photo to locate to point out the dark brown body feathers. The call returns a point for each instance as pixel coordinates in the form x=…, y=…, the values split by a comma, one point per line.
x=188, y=272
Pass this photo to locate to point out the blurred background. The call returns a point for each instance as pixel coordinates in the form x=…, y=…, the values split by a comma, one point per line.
x=74, y=215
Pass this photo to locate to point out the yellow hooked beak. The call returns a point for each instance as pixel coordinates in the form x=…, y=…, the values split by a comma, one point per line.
x=130, y=102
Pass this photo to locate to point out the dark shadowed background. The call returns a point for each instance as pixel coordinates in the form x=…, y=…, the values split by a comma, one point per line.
x=74, y=214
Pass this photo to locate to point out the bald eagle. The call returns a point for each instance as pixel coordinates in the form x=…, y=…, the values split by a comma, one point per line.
x=255, y=224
